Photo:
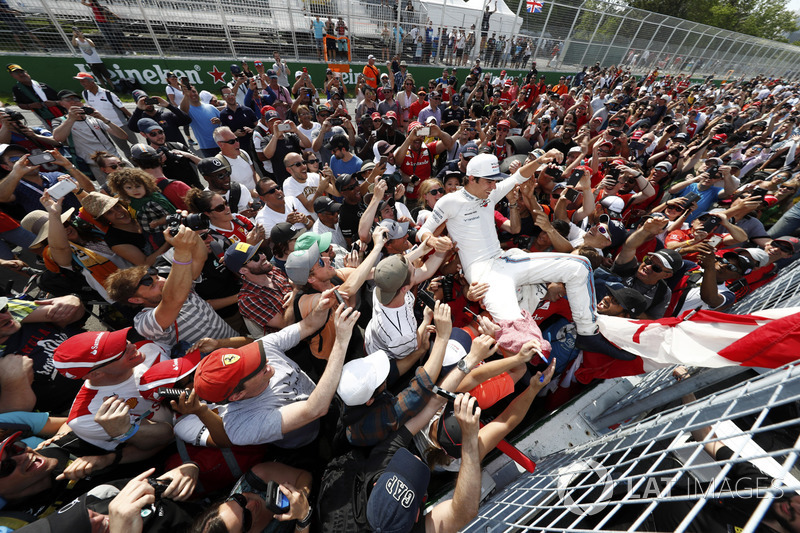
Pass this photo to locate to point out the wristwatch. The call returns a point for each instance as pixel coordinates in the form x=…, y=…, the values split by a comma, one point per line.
x=462, y=366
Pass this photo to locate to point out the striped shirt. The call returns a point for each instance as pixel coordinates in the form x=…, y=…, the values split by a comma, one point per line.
x=393, y=330
x=196, y=320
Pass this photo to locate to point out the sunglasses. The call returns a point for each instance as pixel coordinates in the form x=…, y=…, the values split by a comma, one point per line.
x=204, y=235
x=349, y=187
x=149, y=278
x=115, y=166
x=158, y=132
x=232, y=141
x=298, y=164
x=312, y=161
x=4, y=310
x=221, y=207
x=730, y=266
x=676, y=208
x=503, y=129
x=8, y=465
x=271, y=191
x=440, y=190
x=656, y=268
x=247, y=516
x=602, y=230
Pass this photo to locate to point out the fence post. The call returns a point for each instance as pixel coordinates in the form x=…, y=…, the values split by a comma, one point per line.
x=614, y=38
x=58, y=27
x=635, y=35
x=350, y=32
x=150, y=28
x=294, y=32
x=398, y=38
x=599, y=22
x=225, y=27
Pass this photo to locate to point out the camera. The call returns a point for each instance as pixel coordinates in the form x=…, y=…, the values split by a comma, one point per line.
x=447, y=288
x=284, y=127
x=712, y=172
x=392, y=181
x=159, y=486
x=166, y=394
x=88, y=110
x=336, y=122
x=554, y=172
x=14, y=116
x=194, y=221
x=151, y=100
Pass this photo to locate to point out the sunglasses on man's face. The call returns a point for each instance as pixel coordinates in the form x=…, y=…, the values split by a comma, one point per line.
x=247, y=516
x=149, y=277
x=221, y=207
x=656, y=268
x=231, y=141
x=298, y=164
x=728, y=265
x=271, y=191
x=4, y=310
x=8, y=465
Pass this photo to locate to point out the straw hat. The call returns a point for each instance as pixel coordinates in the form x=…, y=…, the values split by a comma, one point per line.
x=97, y=204
x=37, y=222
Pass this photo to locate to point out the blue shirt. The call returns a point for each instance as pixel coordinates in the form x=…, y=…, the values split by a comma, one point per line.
x=201, y=124
x=707, y=199
x=319, y=28
x=339, y=166
x=27, y=194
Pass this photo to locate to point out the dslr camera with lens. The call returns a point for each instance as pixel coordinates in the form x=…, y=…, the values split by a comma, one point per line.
x=194, y=221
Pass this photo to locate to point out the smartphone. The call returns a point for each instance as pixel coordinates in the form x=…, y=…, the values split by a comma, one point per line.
x=571, y=194
x=758, y=191
x=167, y=394
x=40, y=158
x=423, y=131
x=339, y=297
x=574, y=178
x=151, y=100
x=714, y=240
x=258, y=84
x=61, y=189
x=427, y=299
x=185, y=82
x=447, y=395
x=276, y=501
x=692, y=197
x=711, y=223
x=88, y=110
x=383, y=160
x=615, y=133
x=284, y=127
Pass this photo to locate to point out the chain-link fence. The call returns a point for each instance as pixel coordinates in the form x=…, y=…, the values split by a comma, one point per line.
x=559, y=35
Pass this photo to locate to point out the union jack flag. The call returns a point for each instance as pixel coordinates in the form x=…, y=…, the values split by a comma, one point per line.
x=534, y=6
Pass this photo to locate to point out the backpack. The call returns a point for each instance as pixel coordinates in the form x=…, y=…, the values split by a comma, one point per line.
x=337, y=509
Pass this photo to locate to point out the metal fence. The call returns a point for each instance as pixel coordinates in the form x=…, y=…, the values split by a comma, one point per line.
x=563, y=36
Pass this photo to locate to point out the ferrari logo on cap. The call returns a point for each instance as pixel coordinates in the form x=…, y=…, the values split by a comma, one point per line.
x=229, y=359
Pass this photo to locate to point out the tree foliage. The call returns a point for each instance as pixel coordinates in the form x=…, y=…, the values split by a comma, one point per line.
x=769, y=19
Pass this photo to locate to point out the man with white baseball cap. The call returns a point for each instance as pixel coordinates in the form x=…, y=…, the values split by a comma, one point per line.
x=469, y=216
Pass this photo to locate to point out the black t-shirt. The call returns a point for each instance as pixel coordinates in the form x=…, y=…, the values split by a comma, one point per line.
x=290, y=143
x=349, y=215
x=38, y=341
x=560, y=145
x=453, y=113
x=180, y=168
x=218, y=282
x=115, y=236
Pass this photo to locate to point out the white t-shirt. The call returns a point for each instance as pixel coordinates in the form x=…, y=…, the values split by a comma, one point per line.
x=190, y=428
x=242, y=172
x=88, y=52
x=337, y=238
x=89, y=400
x=177, y=93
x=260, y=142
x=311, y=133
x=107, y=103
x=258, y=420
x=307, y=189
x=393, y=330
x=268, y=218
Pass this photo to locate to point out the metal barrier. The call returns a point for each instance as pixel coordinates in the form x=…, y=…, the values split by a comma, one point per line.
x=565, y=35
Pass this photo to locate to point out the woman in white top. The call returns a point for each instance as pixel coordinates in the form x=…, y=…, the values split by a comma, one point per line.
x=405, y=98
x=174, y=94
x=309, y=128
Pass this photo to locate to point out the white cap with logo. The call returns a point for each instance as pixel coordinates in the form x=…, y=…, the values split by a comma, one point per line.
x=485, y=166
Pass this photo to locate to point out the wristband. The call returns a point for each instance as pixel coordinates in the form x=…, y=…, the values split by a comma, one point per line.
x=117, y=455
x=512, y=206
x=176, y=262
x=127, y=435
x=305, y=522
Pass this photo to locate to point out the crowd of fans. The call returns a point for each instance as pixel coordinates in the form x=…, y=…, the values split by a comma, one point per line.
x=287, y=283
